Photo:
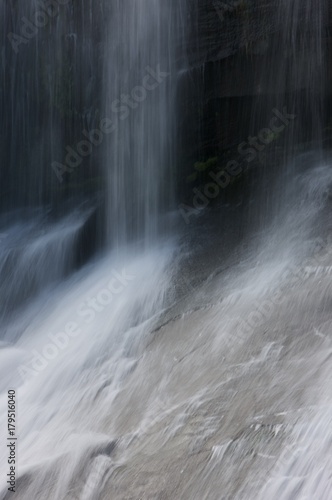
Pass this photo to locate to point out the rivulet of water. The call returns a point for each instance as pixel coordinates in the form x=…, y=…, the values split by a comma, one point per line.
x=143, y=50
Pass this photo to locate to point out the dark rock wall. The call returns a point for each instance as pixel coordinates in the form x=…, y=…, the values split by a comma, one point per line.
x=246, y=58
x=50, y=90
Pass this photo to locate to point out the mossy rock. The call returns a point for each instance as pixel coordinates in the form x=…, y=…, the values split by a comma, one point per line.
x=201, y=166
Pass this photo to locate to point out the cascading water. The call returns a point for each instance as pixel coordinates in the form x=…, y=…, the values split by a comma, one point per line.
x=290, y=102
x=122, y=391
x=140, y=102
x=75, y=337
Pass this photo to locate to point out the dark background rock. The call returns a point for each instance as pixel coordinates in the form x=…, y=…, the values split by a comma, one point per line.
x=52, y=90
x=241, y=68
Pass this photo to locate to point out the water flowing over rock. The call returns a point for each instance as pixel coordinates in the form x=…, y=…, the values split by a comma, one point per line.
x=165, y=249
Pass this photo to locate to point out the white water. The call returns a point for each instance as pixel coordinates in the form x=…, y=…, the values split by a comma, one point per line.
x=119, y=408
x=142, y=72
x=124, y=394
x=65, y=402
x=75, y=338
x=36, y=253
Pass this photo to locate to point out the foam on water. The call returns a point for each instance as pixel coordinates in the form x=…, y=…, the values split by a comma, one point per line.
x=67, y=383
x=119, y=388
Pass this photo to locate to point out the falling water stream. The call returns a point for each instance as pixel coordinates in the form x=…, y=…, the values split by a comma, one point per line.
x=161, y=369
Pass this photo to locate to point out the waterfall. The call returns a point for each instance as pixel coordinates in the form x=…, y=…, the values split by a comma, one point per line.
x=151, y=359
x=140, y=105
x=90, y=96
x=289, y=106
x=51, y=83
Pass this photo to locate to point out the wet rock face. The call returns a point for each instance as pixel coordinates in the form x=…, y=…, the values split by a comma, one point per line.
x=247, y=58
x=51, y=97
x=50, y=91
x=223, y=28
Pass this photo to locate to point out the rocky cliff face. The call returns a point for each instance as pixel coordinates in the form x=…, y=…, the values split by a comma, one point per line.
x=247, y=58
x=51, y=88
x=223, y=28
x=240, y=34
